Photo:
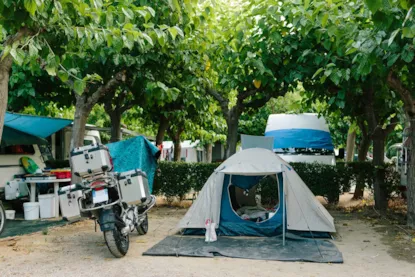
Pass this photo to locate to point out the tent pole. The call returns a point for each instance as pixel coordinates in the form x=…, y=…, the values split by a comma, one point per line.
x=283, y=211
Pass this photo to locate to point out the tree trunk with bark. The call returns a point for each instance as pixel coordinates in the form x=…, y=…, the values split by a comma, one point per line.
x=244, y=101
x=351, y=140
x=115, y=126
x=361, y=157
x=381, y=196
x=411, y=175
x=177, y=150
x=232, y=135
x=409, y=106
x=5, y=67
x=163, y=125
x=209, y=149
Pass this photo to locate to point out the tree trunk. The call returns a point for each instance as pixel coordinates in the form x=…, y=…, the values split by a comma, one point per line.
x=163, y=125
x=177, y=149
x=209, y=149
x=232, y=135
x=361, y=157
x=78, y=129
x=381, y=197
x=411, y=175
x=351, y=139
x=115, y=126
x=5, y=67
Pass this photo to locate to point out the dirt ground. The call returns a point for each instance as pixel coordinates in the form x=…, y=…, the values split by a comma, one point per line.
x=369, y=249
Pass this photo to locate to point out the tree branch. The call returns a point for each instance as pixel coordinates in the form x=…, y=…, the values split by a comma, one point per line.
x=102, y=90
x=223, y=102
x=395, y=84
x=248, y=93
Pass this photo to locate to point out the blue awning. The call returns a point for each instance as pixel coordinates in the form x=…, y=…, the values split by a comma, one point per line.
x=38, y=126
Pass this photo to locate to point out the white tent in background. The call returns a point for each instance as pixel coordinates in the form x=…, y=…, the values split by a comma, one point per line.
x=298, y=208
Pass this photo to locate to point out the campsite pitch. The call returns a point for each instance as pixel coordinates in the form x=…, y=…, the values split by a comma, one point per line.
x=76, y=250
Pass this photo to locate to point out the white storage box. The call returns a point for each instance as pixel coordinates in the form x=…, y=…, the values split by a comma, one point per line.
x=47, y=205
x=134, y=187
x=16, y=189
x=91, y=159
x=68, y=199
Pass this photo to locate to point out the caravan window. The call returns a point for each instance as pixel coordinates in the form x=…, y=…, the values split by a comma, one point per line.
x=17, y=150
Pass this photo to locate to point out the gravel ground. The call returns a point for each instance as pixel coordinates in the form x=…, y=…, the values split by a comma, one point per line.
x=76, y=250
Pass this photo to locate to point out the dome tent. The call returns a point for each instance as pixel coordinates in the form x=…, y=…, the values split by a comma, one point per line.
x=244, y=169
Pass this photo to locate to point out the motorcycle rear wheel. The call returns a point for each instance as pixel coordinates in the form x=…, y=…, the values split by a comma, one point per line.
x=2, y=218
x=117, y=243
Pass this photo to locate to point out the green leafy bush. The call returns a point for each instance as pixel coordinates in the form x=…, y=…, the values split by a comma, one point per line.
x=176, y=179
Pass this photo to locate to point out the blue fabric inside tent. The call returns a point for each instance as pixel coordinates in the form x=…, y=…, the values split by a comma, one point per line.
x=301, y=138
x=231, y=224
x=135, y=153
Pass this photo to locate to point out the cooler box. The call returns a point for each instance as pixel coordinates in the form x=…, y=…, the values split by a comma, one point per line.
x=68, y=200
x=90, y=159
x=134, y=187
x=16, y=189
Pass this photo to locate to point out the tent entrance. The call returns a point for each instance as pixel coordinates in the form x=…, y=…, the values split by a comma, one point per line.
x=254, y=202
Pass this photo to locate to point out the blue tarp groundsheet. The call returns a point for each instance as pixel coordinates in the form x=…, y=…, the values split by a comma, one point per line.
x=270, y=248
x=135, y=153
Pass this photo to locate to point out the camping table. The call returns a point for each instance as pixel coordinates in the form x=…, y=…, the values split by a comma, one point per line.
x=55, y=190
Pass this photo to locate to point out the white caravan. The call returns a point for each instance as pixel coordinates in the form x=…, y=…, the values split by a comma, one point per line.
x=301, y=138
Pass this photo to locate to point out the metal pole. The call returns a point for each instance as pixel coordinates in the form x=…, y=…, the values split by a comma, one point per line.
x=283, y=211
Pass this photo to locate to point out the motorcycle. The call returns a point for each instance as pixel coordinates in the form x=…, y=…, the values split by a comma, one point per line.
x=2, y=218
x=118, y=202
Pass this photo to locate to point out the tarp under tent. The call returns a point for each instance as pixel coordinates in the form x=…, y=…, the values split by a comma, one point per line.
x=303, y=212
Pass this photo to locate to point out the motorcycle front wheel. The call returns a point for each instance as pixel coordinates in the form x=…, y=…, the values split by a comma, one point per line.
x=2, y=218
x=117, y=243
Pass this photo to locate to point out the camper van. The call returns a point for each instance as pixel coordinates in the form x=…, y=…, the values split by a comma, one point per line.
x=301, y=138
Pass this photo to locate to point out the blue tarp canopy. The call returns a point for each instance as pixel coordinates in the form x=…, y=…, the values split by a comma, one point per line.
x=38, y=126
x=135, y=153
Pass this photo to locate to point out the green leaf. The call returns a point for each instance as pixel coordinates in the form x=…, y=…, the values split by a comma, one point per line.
x=374, y=5
x=128, y=26
x=6, y=51
x=58, y=6
x=179, y=31
x=324, y=20
x=79, y=86
x=174, y=5
x=33, y=51
x=173, y=32
x=63, y=75
x=128, y=13
x=306, y=4
x=318, y=72
x=407, y=55
x=148, y=39
x=393, y=35
x=30, y=6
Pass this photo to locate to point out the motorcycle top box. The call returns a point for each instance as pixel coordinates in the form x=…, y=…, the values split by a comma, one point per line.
x=91, y=160
x=134, y=187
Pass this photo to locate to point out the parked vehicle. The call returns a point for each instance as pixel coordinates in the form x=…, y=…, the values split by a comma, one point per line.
x=2, y=218
x=301, y=138
x=119, y=202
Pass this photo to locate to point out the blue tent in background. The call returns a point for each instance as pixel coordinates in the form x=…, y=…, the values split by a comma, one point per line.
x=134, y=153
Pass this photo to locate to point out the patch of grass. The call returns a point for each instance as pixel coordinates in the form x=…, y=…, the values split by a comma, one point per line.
x=45, y=231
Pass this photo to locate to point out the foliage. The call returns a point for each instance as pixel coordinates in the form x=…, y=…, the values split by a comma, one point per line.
x=175, y=179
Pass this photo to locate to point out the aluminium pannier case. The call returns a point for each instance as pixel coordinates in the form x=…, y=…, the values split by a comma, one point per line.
x=91, y=160
x=134, y=187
